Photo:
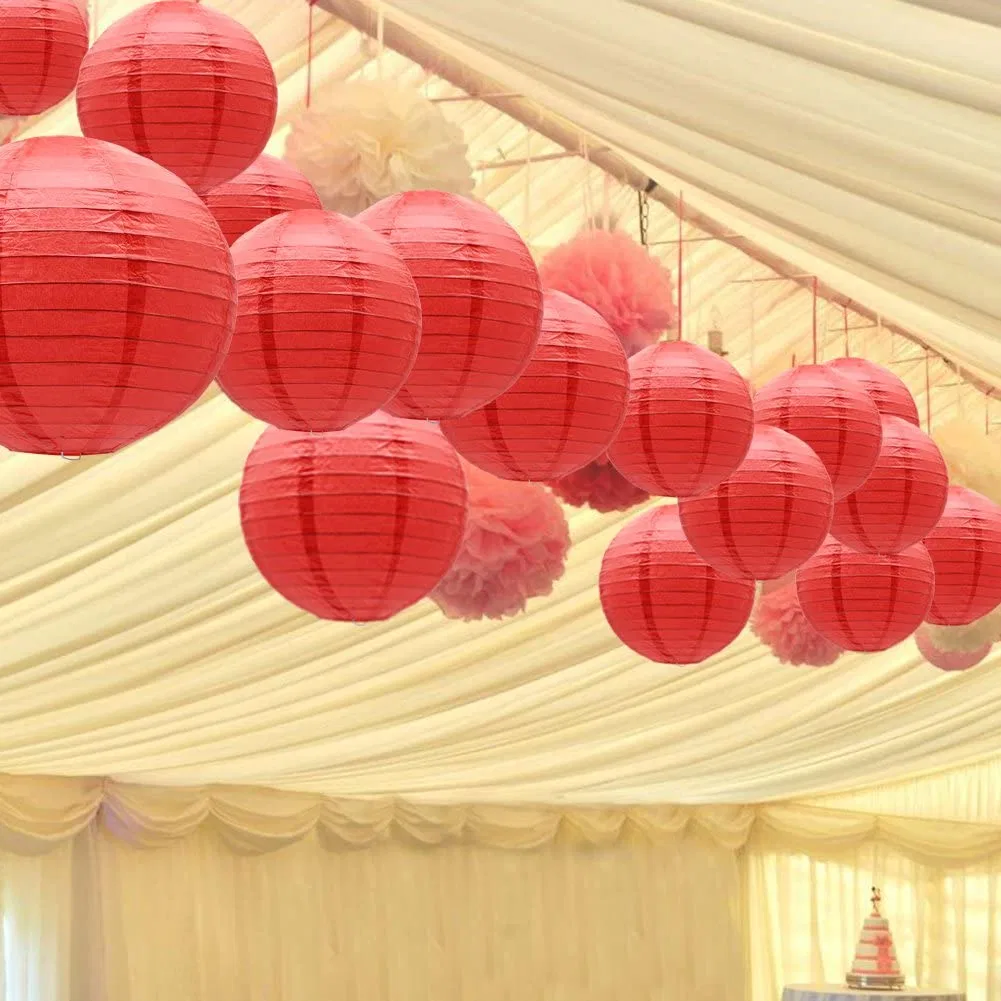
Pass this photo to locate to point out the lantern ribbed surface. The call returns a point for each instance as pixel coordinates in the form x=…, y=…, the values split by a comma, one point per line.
x=863, y=601
x=834, y=415
x=354, y=525
x=42, y=43
x=688, y=423
x=117, y=296
x=965, y=547
x=328, y=322
x=767, y=517
x=902, y=498
x=564, y=409
x=664, y=601
x=184, y=85
x=888, y=391
x=268, y=187
x=480, y=296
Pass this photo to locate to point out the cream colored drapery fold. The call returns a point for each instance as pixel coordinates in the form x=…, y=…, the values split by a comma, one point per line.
x=861, y=138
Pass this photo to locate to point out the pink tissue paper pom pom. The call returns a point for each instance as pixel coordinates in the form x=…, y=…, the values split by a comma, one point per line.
x=619, y=279
x=948, y=660
x=515, y=548
x=598, y=485
x=778, y=621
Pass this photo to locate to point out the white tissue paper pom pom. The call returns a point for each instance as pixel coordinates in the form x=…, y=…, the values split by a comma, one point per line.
x=363, y=141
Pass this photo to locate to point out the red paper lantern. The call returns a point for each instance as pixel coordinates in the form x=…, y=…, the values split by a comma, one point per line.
x=664, y=601
x=688, y=423
x=887, y=390
x=862, y=601
x=480, y=296
x=965, y=547
x=769, y=516
x=117, y=297
x=42, y=43
x=355, y=525
x=902, y=498
x=328, y=324
x=184, y=85
x=268, y=187
x=565, y=408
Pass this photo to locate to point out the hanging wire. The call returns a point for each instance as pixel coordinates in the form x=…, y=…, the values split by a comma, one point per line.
x=606, y=202
x=681, y=263
x=527, y=221
x=643, y=208
x=927, y=391
x=814, y=319
x=380, y=37
x=753, y=317
x=309, y=53
x=844, y=318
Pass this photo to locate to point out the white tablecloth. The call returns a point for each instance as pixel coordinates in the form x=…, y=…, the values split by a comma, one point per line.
x=840, y=992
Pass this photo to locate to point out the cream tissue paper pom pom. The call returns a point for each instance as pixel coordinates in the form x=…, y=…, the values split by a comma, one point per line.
x=364, y=141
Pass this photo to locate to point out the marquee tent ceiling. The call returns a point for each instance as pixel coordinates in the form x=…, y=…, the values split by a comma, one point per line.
x=140, y=643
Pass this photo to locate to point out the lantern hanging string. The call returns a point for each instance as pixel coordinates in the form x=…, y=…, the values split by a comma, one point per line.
x=681, y=264
x=927, y=391
x=606, y=202
x=527, y=219
x=814, y=330
x=844, y=318
x=753, y=334
x=380, y=38
x=309, y=54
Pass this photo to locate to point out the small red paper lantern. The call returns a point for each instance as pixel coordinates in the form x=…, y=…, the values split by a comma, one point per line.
x=480, y=296
x=328, y=323
x=902, y=498
x=769, y=516
x=888, y=391
x=832, y=414
x=184, y=85
x=355, y=525
x=117, y=297
x=688, y=423
x=268, y=187
x=664, y=601
x=965, y=547
x=564, y=409
x=42, y=43
x=862, y=601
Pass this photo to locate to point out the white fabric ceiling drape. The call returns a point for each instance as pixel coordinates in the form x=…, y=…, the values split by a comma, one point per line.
x=861, y=137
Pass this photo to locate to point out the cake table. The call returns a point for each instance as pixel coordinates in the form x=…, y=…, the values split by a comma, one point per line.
x=839, y=992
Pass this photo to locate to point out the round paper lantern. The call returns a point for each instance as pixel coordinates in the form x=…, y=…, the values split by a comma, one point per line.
x=948, y=660
x=564, y=409
x=887, y=390
x=688, y=423
x=664, y=601
x=862, y=601
x=354, y=525
x=117, y=297
x=181, y=84
x=965, y=547
x=902, y=498
x=328, y=322
x=480, y=296
x=767, y=517
x=268, y=187
x=832, y=414
x=42, y=43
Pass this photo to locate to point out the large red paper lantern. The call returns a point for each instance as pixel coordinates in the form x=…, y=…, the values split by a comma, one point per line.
x=480, y=295
x=832, y=414
x=664, y=601
x=767, y=517
x=965, y=547
x=564, y=409
x=42, y=43
x=117, y=296
x=688, y=423
x=184, y=85
x=354, y=525
x=328, y=322
x=862, y=601
x=268, y=187
x=888, y=391
x=902, y=498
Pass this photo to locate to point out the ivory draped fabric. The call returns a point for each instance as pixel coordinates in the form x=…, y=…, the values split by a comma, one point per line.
x=861, y=138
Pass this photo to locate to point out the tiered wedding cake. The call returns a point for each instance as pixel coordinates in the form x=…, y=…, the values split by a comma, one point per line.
x=875, y=966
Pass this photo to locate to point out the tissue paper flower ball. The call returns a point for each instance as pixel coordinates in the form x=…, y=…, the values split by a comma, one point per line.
x=779, y=622
x=599, y=486
x=619, y=279
x=514, y=548
x=948, y=660
x=365, y=140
